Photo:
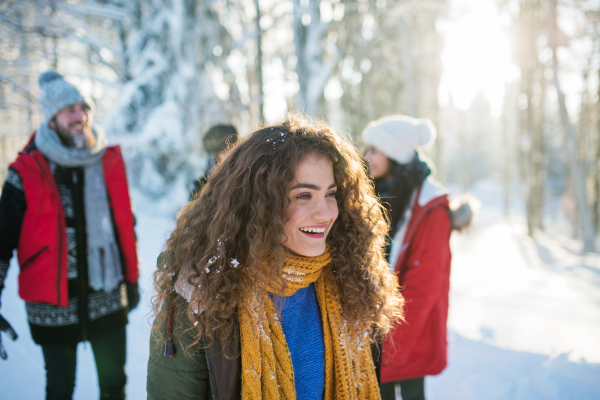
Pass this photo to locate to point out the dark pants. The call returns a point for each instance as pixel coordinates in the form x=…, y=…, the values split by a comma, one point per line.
x=410, y=389
x=109, y=354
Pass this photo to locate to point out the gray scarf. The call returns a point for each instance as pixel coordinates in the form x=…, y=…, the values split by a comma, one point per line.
x=104, y=264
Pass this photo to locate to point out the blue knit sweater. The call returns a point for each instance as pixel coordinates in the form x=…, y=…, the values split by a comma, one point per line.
x=303, y=328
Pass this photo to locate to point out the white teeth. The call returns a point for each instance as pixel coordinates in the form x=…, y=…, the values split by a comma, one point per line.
x=313, y=230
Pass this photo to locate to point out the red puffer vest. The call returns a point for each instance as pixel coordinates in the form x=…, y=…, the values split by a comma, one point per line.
x=42, y=249
x=418, y=347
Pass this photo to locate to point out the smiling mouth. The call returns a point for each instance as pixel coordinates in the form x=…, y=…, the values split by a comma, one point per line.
x=78, y=126
x=313, y=232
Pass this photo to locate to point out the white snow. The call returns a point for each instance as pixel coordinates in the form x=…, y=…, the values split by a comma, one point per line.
x=524, y=316
x=212, y=260
x=524, y=313
x=22, y=375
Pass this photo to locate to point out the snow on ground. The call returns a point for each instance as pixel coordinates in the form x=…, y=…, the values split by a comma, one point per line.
x=524, y=316
x=22, y=376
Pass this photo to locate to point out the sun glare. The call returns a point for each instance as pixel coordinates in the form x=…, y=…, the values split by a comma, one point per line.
x=476, y=56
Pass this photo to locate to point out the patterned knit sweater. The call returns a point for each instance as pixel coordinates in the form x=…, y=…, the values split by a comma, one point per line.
x=89, y=313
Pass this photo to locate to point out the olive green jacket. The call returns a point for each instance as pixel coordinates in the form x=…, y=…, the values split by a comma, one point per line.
x=194, y=373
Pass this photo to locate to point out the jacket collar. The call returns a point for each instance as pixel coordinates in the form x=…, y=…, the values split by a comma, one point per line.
x=431, y=194
x=431, y=190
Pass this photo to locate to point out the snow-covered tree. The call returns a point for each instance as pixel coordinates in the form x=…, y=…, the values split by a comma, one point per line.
x=392, y=60
x=577, y=173
x=312, y=68
x=167, y=99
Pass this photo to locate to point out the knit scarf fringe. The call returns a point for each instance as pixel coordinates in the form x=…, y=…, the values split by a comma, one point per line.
x=267, y=371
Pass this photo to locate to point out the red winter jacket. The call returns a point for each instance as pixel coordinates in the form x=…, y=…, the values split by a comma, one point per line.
x=42, y=249
x=418, y=347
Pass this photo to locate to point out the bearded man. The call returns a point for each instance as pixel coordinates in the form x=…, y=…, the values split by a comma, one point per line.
x=65, y=208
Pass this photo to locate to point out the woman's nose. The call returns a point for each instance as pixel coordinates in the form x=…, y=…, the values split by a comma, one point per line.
x=322, y=211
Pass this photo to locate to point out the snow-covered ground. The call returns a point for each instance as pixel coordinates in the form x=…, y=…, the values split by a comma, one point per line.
x=22, y=375
x=524, y=316
x=524, y=313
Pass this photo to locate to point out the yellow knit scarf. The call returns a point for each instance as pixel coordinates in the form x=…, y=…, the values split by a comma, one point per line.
x=267, y=371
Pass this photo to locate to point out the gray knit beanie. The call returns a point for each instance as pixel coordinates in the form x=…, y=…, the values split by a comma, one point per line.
x=398, y=136
x=57, y=94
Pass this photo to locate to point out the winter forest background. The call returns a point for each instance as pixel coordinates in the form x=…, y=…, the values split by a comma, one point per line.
x=513, y=87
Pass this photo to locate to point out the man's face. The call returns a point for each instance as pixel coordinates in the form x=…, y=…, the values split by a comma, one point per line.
x=73, y=124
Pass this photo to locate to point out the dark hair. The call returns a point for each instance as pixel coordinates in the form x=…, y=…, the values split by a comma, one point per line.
x=239, y=219
x=396, y=195
x=219, y=137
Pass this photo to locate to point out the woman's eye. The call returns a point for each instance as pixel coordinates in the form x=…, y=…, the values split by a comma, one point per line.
x=304, y=196
x=332, y=194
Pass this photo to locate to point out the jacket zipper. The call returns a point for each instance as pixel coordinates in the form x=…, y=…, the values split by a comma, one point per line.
x=83, y=305
x=61, y=228
x=211, y=377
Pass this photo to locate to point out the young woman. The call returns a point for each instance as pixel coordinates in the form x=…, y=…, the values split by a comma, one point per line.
x=419, y=251
x=273, y=282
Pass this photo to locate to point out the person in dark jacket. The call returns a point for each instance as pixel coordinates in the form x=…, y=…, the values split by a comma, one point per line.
x=273, y=281
x=421, y=220
x=65, y=208
x=216, y=141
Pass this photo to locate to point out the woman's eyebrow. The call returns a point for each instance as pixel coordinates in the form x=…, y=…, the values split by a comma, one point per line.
x=311, y=186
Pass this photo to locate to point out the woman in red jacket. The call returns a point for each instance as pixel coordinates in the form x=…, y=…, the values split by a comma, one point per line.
x=419, y=251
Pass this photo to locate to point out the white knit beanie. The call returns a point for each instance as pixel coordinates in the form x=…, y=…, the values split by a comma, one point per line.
x=57, y=94
x=398, y=136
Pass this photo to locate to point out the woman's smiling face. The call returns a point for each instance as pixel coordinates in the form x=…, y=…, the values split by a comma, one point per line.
x=313, y=207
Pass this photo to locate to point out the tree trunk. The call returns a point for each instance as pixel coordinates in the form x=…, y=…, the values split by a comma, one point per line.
x=532, y=116
x=597, y=167
x=259, y=63
x=506, y=159
x=577, y=175
x=529, y=206
x=411, y=93
x=537, y=155
x=313, y=74
x=464, y=157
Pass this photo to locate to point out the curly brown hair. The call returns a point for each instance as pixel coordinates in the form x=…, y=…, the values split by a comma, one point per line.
x=239, y=217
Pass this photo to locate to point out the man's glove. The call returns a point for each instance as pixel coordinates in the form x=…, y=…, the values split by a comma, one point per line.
x=133, y=295
x=5, y=327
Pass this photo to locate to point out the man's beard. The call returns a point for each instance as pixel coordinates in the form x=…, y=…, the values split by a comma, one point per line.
x=77, y=140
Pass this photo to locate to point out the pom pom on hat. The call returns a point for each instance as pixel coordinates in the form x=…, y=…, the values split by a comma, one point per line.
x=48, y=76
x=57, y=94
x=398, y=136
x=427, y=133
